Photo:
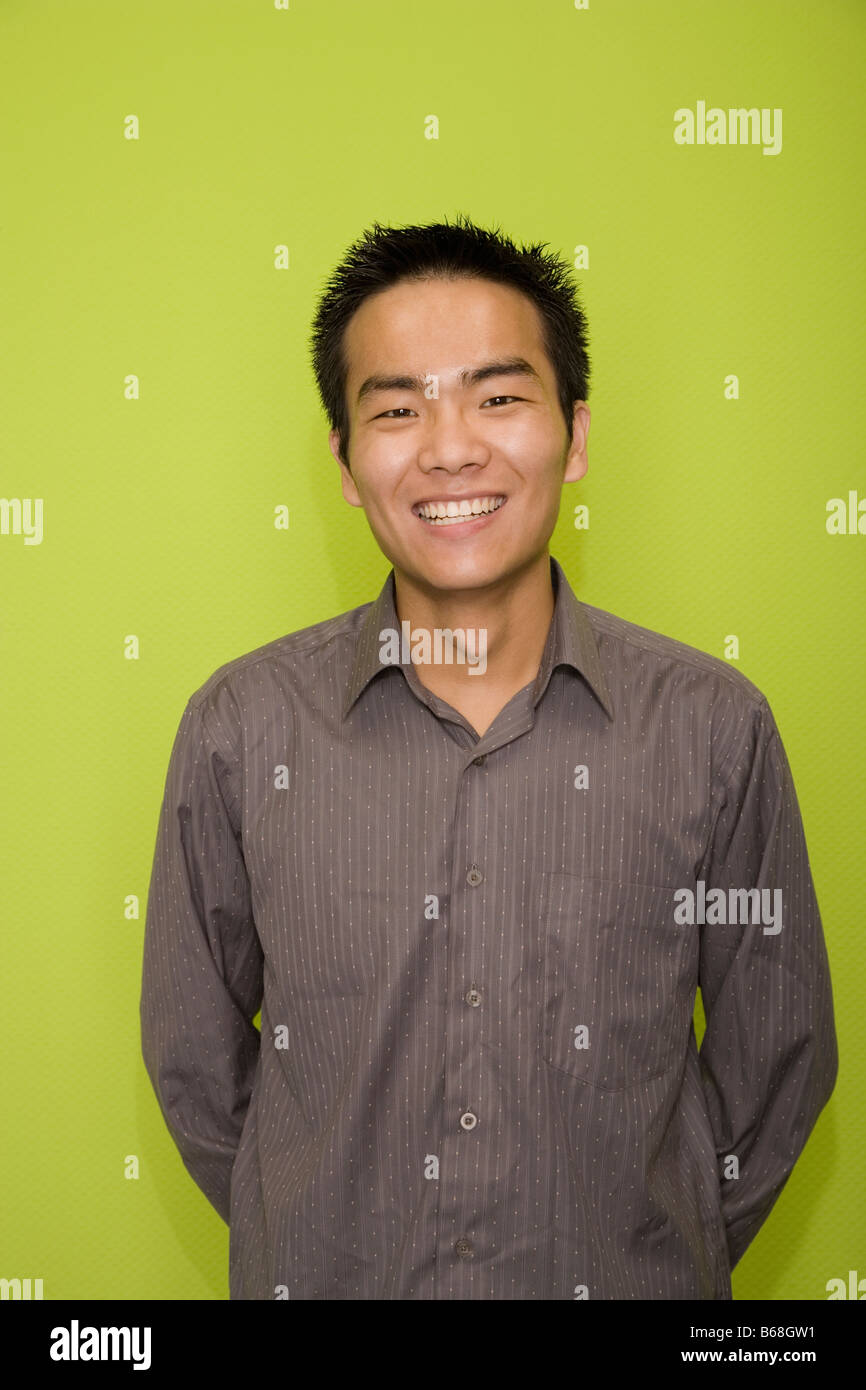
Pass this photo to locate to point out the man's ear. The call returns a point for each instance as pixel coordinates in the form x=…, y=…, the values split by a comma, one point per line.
x=350, y=492
x=577, y=462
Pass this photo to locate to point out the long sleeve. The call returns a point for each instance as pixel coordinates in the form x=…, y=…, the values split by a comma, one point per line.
x=769, y=1055
x=202, y=966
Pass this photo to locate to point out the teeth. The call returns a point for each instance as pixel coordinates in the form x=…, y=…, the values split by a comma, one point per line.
x=447, y=513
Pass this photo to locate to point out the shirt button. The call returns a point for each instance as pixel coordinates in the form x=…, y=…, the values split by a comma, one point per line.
x=474, y=876
x=480, y=760
x=469, y=1121
x=472, y=997
x=463, y=1246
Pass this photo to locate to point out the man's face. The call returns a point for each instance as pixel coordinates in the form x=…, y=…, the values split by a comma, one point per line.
x=420, y=434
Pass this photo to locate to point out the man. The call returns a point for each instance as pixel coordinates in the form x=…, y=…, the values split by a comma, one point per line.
x=474, y=898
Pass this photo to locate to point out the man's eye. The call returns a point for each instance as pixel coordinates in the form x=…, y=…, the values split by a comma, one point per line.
x=396, y=412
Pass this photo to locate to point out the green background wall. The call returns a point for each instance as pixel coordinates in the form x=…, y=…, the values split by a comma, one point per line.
x=264, y=126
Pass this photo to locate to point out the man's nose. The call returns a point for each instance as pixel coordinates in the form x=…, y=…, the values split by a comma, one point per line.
x=451, y=440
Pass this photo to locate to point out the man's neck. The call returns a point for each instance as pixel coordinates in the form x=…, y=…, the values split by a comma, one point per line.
x=512, y=619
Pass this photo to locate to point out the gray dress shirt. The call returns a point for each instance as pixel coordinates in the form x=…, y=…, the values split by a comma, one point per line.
x=476, y=960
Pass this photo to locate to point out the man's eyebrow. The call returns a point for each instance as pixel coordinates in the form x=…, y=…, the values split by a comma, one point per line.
x=470, y=376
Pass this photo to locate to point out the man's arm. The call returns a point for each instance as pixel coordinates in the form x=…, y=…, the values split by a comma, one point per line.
x=202, y=969
x=769, y=1057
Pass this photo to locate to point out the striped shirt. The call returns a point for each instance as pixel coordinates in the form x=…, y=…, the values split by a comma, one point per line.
x=476, y=960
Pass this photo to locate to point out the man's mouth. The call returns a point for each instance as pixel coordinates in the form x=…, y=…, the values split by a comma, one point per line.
x=455, y=513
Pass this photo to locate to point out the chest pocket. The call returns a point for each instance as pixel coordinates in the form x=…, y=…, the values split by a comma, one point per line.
x=615, y=1000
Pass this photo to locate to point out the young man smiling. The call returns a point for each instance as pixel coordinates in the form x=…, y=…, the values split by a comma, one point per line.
x=492, y=435
x=456, y=900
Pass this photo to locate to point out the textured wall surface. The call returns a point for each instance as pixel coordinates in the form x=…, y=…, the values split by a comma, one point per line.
x=178, y=182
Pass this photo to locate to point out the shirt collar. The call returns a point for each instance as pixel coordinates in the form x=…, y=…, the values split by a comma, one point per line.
x=570, y=642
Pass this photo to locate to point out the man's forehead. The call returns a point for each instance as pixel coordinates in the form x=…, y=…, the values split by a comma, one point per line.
x=454, y=356
x=403, y=305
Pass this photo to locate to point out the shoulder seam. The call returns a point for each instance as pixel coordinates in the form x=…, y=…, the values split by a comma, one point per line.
x=247, y=661
x=687, y=654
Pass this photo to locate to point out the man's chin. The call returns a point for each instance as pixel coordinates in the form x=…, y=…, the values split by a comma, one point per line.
x=450, y=576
